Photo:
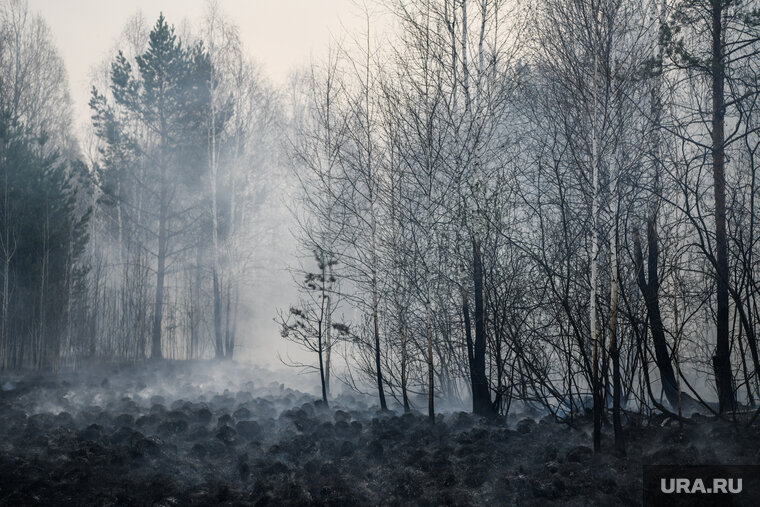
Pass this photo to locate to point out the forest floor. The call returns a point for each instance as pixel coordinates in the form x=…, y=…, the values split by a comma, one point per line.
x=205, y=433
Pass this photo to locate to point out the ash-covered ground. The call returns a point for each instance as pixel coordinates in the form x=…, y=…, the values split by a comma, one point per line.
x=205, y=433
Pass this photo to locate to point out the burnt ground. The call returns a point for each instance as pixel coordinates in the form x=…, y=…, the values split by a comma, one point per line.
x=203, y=433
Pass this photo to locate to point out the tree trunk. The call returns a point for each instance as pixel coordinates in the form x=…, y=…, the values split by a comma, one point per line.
x=327, y=278
x=404, y=393
x=593, y=324
x=229, y=342
x=481, y=393
x=431, y=370
x=376, y=322
x=158, y=308
x=42, y=337
x=218, y=338
x=321, y=364
x=614, y=350
x=721, y=359
x=467, y=330
x=650, y=291
x=233, y=325
x=614, y=345
x=195, y=323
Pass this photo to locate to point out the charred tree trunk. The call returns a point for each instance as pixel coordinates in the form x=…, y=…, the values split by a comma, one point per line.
x=378, y=364
x=650, y=291
x=431, y=369
x=321, y=365
x=404, y=360
x=327, y=276
x=481, y=393
x=467, y=329
x=721, y=359
x=593, y=317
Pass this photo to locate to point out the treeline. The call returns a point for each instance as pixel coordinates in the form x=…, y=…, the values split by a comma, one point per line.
x=138, y=245
x=44, y=213
x=552, y=203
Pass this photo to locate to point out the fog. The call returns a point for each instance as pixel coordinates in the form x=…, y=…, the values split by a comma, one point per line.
x=339, y=252
x=281, y=37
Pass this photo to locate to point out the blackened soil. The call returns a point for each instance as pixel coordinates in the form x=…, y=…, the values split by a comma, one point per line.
x=206, y=434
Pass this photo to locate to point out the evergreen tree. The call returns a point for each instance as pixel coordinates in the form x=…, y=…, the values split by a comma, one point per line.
x=154, y=130
x=711, y=40
x=308, y=323
x=43, y=238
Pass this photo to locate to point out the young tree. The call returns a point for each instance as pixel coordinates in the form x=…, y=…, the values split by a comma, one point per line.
x=306, y=324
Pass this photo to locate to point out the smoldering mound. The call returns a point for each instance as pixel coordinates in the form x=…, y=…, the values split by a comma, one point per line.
x=205, y=433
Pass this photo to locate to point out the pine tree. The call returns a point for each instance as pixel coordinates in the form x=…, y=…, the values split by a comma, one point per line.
x=307, y=324
x=168, y=97
x=43, y=238
x=710, y=38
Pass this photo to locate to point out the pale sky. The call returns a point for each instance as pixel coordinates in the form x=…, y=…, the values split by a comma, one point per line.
x=280, y=34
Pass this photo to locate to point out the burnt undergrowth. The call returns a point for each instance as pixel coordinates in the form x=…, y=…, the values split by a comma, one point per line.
x=205, y=433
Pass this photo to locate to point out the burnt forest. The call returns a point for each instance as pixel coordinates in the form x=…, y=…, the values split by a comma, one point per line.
x=402, y=252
